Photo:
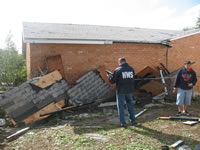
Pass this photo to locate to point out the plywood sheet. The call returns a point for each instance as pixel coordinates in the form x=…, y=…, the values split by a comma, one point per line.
x=146, y=70
x=48, y=79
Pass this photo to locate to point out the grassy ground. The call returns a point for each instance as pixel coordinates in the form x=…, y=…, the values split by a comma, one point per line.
x=99, y=129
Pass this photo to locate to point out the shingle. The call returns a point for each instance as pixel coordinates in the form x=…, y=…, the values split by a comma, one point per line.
x=53, y=33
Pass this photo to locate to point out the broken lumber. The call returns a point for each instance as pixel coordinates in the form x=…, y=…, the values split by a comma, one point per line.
x=20, y=132
x=176, y=144
x=165, y=68
x=147, y=70
x=73, y=108
x=179, y=118
x=190, y=122
x=48, y=79
x=140, y=113
x=53, y=112
x=49, y=108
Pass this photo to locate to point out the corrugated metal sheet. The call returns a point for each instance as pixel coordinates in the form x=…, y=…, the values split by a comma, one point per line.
x=62, y=33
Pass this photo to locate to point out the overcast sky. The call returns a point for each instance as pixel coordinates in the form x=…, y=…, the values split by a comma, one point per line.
x=156, y=14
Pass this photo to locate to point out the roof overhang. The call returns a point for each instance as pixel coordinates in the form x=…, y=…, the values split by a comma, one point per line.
x=64, y=41
x=183, y=36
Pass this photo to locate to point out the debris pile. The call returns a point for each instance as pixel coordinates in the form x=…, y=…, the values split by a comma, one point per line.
x=88, y=88
x=50, y=93
x=154, y=85
x=23, y=101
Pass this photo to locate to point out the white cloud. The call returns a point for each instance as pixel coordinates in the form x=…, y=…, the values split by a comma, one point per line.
x=132, y=13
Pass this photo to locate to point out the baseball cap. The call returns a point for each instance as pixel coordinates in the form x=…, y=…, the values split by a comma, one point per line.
x=188, y=62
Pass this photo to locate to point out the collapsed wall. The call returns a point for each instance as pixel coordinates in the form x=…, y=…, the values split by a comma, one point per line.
x=29, y=98
x=21, y=102
x=88, y=88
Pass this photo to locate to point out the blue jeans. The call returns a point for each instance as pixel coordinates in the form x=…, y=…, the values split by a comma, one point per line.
x=120, y=107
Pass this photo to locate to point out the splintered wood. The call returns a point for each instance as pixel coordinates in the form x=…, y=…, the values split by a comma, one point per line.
x=48, y=79
x=49, y=108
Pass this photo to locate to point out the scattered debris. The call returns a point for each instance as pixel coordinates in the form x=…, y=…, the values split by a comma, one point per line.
x=179, y=118
x=140, y=113
x=40, y=97
x=23, y=101
x=2, y=122
x=183, y=147
x=154, y=87
x=88, y=88
x=48, y=79
x=176, y=144
x=96, y=136
x=20, y=132
x=153, y=105
x=51, y=107
x=190, y=122
x=73, y=108
x=107, y=104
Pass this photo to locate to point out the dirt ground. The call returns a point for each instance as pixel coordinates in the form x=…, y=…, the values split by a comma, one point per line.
x=98, y=128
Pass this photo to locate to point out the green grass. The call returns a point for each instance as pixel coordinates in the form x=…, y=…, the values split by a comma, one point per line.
x=151, y=135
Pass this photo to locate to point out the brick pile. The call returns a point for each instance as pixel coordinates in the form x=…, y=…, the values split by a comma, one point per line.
x=88, y=88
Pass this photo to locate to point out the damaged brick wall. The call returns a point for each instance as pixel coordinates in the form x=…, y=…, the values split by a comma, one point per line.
x=78, y=59
x=187, y=48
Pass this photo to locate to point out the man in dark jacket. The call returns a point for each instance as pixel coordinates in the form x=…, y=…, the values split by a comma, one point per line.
x=184, y=83
x=123, y=76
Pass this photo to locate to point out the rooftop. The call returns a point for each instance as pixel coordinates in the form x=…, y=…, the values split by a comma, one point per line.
x=93, y=34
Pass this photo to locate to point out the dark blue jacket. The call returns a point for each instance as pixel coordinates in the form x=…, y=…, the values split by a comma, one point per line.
x=123, y=76
x=185, y=77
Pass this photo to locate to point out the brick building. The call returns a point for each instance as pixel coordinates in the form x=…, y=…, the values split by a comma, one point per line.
x=77, y=49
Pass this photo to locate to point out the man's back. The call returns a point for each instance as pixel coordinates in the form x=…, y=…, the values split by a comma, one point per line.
x=124, y=78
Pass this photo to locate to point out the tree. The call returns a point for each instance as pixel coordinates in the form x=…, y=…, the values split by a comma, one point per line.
x=12, y=65
x=197, y=26
x=10, y=45
x=198, y=23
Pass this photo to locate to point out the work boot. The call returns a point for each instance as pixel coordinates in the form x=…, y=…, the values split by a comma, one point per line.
x=123, y=125
x=135, y=124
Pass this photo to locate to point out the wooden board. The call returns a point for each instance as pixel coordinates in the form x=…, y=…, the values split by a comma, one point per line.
x=18, y=133
x=48, y=79
x=154, y=87
x=190, y=122
x=13, y=122
x=146, y=70
x=49, y=108
x=176, y=144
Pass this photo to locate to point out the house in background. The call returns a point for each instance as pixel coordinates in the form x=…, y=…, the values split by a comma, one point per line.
x=76, y=49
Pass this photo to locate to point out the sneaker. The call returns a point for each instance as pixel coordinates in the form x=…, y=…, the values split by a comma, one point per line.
x=135, y=123
x=179, y=113
x=187, y=113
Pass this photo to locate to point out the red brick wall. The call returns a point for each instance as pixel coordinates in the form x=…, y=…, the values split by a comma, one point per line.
x=79, y=59
x=187, y=48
